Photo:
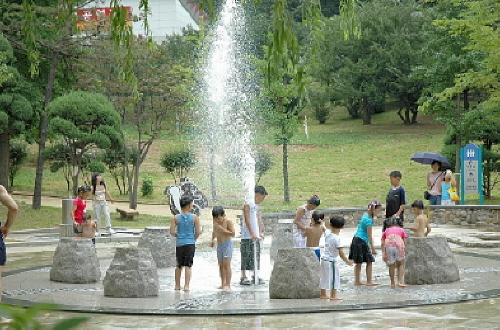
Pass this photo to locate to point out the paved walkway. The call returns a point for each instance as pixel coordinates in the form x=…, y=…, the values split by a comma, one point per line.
x=30, y=283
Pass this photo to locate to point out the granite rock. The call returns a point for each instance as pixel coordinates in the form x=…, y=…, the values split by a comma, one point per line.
x=132, y=274
x=295, y=274
x=429, y=260
x=75, y=261
x=161, y=244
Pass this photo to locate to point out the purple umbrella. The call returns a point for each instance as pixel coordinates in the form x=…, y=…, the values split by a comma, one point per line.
x=429, y=157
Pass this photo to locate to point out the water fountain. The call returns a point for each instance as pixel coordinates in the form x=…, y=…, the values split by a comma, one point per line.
x=227, y=109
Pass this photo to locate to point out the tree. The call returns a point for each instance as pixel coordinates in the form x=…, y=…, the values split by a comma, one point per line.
x=16, y=113
x=178, y=163
x=18, y=154
x=84, y=121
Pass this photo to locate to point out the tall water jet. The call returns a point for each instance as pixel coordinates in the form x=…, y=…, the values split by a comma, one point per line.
x=226, y=115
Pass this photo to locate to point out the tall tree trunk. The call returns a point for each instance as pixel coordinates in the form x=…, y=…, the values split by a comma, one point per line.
x=367, y=113
x=44, y=127
x=135, y=187
x=458, y=140
x=286, y=188
x=5, y=159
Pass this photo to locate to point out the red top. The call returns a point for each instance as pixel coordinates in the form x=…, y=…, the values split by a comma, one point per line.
x=81, y=206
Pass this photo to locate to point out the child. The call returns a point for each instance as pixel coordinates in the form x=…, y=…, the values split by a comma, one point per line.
x=79, y=208
x=252, y=228
x=393, y=250
x=314, y=232
x=361, y=243
x=186, y=227
x=421, y=225
x=303, y=220
x=449, y=182
x=223, y=231
x=333, y=252
x=396, y=198
x=89, y=227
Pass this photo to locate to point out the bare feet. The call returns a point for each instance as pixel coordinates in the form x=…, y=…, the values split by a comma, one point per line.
x=324, y=297
x=401, y=285
x=226, y=287
x=220, y=287
x=372, y=284
x=393, y=286
x=336, y=298
x=359, y=283
x=177, y=288
x=186, y=288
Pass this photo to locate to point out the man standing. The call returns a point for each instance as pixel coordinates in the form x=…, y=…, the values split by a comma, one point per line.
x=13, y=209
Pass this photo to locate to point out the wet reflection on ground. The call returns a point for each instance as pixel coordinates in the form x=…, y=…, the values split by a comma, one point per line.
x=474, y=314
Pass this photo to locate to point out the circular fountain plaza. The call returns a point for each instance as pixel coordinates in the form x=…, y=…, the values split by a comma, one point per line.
x=26, y=282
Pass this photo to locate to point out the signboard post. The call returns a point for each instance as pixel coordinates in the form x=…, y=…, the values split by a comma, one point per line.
x=471, y=172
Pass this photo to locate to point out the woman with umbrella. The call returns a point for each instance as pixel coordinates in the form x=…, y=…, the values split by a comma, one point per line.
x=434, y=178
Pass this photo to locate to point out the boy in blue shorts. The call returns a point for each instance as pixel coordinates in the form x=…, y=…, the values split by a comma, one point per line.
x=222, y=234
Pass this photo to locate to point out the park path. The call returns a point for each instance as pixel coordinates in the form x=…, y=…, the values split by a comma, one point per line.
x=151, y=209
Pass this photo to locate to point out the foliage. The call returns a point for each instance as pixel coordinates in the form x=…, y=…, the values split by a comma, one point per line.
x=25, y=318
x=178, y=163
x=319, y=99
x=147, y=186
x=116, y=161
x=16, y=112
x=84, y=121
x=17, y=156
x=361, y=73
x=263, y=163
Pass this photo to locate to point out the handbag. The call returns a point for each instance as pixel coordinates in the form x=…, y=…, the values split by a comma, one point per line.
x=453, y=194
x=427, y=195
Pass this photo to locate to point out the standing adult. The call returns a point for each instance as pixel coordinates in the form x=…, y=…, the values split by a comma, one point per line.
x=13, y=209
x=302, y=220
x=434, y=180
x=99, y=202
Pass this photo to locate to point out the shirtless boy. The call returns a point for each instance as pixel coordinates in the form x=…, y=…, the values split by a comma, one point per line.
x=88, y=227
x=315, y=231
x=421, y=225
x=222, y=233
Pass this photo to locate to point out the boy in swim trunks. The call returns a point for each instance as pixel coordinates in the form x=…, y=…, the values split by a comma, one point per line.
x=421, y=225
x=222, y=233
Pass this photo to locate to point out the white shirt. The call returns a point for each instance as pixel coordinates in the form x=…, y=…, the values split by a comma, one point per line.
x=331, y=249
x=254, y=222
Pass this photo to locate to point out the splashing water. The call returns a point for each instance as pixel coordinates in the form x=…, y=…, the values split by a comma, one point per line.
x=226, y=116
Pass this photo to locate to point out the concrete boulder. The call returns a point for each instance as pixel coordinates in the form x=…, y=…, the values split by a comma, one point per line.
x=162, y=246
x=429, y=260
x=75, y=261
x=132, y=274
x=282, y=237
x=295, y=274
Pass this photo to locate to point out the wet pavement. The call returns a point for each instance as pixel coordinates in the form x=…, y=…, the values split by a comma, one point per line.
x=470, y=303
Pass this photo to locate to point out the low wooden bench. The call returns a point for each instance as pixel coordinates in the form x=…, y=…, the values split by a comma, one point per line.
x=127, y=214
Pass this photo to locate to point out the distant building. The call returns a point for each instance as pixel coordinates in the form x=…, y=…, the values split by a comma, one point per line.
x=166, y=17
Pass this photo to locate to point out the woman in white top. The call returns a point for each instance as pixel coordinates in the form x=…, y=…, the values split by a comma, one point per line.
x=99, y=203
x=303, y=220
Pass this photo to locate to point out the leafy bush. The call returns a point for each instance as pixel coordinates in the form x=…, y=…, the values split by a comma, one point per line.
x=178, y=163
x=18, y=155
x=147, y=186
x=263, y=162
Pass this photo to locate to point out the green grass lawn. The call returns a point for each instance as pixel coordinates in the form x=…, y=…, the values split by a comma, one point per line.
x=344, y=162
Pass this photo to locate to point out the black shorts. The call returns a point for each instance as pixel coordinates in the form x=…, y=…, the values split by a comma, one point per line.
x=360, y=251
x=76, y=230
x=185, y=255
x=3, y=252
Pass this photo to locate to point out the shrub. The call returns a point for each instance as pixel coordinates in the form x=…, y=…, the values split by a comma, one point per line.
x=178, y=163
x=147, y=186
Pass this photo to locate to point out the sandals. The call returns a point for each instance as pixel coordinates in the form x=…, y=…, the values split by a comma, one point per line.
x=245, y=281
